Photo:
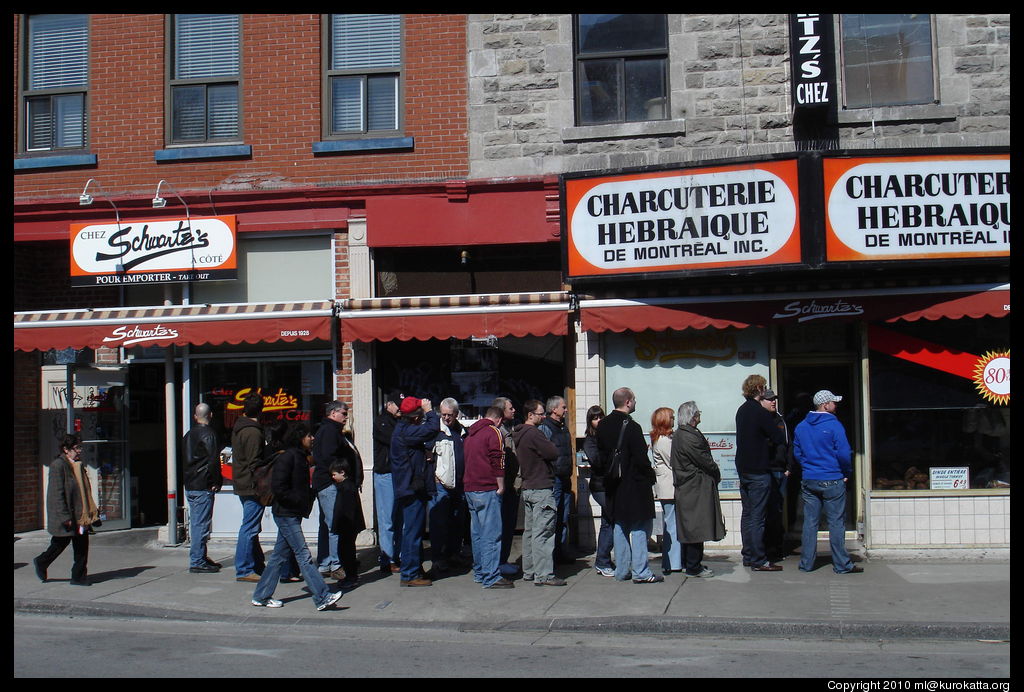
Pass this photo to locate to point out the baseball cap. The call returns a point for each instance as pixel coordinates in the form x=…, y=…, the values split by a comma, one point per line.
x=409, y=404
x=769, y=395
x=825, y=396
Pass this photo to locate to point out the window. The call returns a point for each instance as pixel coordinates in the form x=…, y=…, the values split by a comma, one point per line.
x=363, y=73
x=887, y=59
x=56, y=81
x=924, y=418
x=204, y=89
x=621, y=68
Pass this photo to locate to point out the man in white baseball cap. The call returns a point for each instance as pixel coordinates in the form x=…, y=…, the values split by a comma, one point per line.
x=825, y=456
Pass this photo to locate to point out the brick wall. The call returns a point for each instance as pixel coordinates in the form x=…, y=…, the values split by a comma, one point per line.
x=27, y=473
x=281, y=101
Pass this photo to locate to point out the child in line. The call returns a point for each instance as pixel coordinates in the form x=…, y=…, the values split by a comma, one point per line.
x=348, y=521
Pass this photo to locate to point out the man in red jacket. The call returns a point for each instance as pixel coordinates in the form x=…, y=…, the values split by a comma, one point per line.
x=484, y=482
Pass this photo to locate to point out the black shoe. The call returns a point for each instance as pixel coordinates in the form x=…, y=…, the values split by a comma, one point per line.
x=207, y=568
x=211, y=563
x=40, y=572
x=856, y=569
x=653, y=579
x=80, y=582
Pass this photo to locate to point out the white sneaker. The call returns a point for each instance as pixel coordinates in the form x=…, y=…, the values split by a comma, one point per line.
x=331, y=600
x=705, y=573
x=268, y=603
x=605, y=571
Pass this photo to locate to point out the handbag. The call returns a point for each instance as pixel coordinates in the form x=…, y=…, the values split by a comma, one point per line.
x=613, y=474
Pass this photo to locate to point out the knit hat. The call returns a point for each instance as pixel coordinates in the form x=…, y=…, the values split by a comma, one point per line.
x=409, y=404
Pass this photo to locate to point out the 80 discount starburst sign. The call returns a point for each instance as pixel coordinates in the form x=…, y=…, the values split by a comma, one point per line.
x=992, y=376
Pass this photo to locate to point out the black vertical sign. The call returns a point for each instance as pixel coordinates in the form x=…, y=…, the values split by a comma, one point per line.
x=813, y=79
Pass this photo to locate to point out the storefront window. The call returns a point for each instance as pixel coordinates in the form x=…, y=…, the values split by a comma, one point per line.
x=934, y=425
x=294, y=391
x=707, y=366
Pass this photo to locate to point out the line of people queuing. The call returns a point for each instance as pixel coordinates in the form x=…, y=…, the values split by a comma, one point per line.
x=427, y=465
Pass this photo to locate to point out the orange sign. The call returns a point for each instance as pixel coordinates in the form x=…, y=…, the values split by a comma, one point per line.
x=917, y=207
x=696, y=218
x=278, y=401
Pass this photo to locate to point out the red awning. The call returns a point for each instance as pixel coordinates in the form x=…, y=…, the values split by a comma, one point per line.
x=660, y=314
x=177, y=325
x=459, y=317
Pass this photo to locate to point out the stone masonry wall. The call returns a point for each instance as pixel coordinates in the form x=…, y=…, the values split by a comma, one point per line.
x=729, y=95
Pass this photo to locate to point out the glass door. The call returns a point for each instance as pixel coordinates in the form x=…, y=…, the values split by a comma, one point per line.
x=100, y=399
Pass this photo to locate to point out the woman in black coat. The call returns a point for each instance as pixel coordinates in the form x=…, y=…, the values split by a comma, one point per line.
x=695, y=476
x=70, y=512
x=293, y=500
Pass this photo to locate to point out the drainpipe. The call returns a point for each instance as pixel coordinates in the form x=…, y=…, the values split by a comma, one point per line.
x=171, y=438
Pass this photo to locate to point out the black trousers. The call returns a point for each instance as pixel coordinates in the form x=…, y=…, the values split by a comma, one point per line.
x=80, y=546
x=693, y=555
x=347, y=553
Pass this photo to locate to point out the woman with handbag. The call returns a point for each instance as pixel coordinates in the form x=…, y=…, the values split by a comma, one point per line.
x=293, y=500
x=70, y=511
x=695, y=476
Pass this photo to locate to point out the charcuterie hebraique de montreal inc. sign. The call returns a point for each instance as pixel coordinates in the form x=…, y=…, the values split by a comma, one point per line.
x=702, y=218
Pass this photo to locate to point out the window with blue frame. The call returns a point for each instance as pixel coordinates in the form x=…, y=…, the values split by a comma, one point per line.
x=364, y=74
x=56, y=82
x=204, y=81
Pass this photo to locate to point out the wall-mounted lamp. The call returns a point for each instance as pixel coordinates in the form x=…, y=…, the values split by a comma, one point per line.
x=159, y=202
x=85, y=199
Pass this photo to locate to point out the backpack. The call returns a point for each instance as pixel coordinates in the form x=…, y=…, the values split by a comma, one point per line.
x=444, y=457
x=261, y=480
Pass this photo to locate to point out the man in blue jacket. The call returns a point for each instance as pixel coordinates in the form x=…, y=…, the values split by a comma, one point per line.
x=823, y=452
x=412, y=473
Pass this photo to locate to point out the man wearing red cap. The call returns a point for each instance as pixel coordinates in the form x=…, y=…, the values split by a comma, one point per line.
x=413, y=477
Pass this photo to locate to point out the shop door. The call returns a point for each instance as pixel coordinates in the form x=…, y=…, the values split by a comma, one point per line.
x=101, y=420
x=798, y=382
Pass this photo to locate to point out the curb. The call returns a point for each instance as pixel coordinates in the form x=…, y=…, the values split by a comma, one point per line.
x=786, y=629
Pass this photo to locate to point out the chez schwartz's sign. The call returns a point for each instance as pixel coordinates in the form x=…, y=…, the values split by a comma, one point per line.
x=158, y=251
x=696, y=218
x=917, y=207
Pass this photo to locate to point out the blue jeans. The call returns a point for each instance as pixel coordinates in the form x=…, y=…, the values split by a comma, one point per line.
x=539, y=533
x=603, y=556
x=388, y=524
x=445, y=511
x=327, y=541
x=774, y=533
x=414, y=520
x=290, y=543
x=754, y=489
x=631, y=549
x=830, y=495
x=248, y=553
x=562, y=493
x=671, y=551
x=200, y=519
x=485, y=532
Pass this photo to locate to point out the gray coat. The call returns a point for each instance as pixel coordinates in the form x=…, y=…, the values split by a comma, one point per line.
x=695, y=476
x=63, y=500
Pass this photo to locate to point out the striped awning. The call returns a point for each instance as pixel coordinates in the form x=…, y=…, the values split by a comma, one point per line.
x=457, y=316
x=173, y=325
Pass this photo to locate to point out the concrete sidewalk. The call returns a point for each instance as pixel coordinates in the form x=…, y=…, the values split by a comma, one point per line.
x=896, y=597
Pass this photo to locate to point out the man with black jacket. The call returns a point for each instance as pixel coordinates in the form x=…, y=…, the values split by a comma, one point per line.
x=331, y=445
x=554, y=428
x=756, y=431
x=202, y=480
x=632, y=498
x=389, y=523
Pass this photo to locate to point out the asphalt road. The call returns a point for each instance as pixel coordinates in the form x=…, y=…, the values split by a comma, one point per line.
x=52, y=646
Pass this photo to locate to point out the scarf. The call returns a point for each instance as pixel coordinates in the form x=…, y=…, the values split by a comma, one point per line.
x=89, y=511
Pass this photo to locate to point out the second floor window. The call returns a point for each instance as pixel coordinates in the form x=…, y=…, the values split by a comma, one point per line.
x=204, y=90
x=621, y=68
x=56, y=81
x=364, y=73
x=887, y=59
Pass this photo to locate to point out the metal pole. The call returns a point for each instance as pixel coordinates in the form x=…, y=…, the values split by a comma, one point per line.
x=69, y=398
x=171, y=439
